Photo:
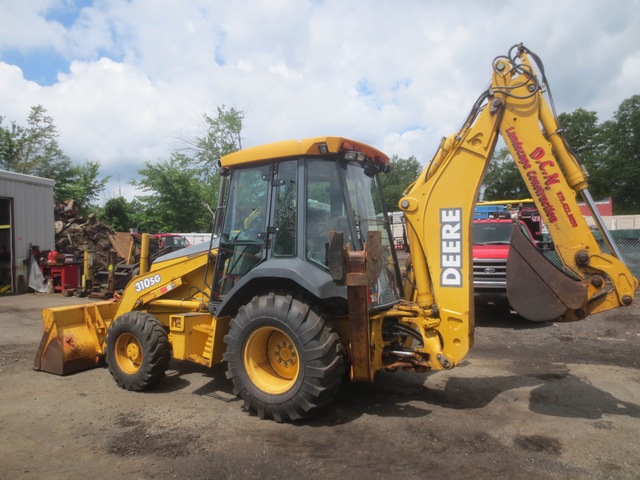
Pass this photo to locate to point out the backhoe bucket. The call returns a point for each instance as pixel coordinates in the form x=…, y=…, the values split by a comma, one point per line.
x=73, y=337
x=536, y=289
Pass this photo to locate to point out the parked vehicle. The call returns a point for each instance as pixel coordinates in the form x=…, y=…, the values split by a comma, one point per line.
x=491, y=241
x=170, y=240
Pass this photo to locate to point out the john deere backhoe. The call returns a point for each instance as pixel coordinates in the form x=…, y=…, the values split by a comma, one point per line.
x=302, y=283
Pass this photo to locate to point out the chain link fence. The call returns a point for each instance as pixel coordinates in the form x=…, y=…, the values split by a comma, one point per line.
x=628, y=242
x=630, y=251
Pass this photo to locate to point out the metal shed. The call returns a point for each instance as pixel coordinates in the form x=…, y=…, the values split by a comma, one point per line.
x=26, y=220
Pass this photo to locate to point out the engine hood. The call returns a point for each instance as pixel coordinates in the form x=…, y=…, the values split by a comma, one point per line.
x=491, y=251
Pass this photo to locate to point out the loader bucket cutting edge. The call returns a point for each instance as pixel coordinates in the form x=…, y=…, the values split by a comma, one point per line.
x=536, y=289
x=73, y=337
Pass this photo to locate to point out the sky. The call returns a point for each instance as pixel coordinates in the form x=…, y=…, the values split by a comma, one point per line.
x=126, y=80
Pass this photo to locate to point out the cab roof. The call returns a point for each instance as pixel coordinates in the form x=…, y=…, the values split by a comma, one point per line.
x=317, y=146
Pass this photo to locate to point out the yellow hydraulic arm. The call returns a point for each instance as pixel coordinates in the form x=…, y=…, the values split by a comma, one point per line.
x=439, y=210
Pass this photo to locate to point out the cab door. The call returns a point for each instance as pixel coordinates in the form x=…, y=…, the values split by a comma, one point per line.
x=243, y=238
x=260, y=221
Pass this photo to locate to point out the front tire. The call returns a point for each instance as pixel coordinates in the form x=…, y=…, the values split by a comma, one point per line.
x=138, y=351
x=283, y=358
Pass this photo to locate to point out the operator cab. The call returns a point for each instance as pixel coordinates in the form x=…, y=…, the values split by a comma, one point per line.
x=280, y=203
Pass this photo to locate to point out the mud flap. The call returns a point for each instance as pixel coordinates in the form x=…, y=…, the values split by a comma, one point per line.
x=536, y=289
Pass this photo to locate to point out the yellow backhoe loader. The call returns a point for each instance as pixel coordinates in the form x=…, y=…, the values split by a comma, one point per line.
x=301, y=282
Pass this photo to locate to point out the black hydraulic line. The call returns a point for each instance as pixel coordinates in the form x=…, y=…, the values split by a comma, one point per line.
x=402, y=329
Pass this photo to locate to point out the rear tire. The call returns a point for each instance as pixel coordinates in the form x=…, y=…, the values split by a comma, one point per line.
x=138, y=351
x=283, y=358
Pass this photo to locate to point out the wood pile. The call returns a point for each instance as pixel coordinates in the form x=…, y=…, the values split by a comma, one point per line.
x=66, y=211
x=78, y=235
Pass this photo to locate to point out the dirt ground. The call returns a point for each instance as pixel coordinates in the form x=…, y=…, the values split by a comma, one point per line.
x=543, y=401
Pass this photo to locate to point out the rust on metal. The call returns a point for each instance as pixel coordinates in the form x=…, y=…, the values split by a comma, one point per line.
x=536, y=289
x=358, y=301
x=73, y=337
x=362, y=270
x=335, y=256
x=63, y=356
x=373, y=249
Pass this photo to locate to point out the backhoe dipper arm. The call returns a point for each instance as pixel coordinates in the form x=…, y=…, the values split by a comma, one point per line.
x=439, y=209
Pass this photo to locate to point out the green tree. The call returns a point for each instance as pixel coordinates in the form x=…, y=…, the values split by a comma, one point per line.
x=622, y=153
x=403, y=173
x=34, y=150
x=117, y=214
x=587, y=140
x=182, y=193
x=503, y=181
x=81, y=184
x=222, y=135
x=610, y=152
x=177, y=198
x=138, y=217
x=583, y=134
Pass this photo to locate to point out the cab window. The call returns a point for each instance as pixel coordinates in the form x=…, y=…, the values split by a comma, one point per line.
x=286, y=209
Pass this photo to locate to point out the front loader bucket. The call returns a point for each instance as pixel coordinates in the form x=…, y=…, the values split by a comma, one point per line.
x=536, y=289
x=73, y=337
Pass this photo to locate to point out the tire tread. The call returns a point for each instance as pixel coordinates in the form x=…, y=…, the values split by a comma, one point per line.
x=319, y=346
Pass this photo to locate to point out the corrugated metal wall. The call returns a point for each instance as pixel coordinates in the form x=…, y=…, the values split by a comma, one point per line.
x=32, y=216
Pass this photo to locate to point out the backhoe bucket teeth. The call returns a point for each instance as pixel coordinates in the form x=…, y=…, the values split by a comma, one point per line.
x=73, y=337
x=536, y=289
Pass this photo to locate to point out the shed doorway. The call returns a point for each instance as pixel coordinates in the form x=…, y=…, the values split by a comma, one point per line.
x=6, y=246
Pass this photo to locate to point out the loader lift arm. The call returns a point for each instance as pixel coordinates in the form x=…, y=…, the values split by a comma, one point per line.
x=438, y=208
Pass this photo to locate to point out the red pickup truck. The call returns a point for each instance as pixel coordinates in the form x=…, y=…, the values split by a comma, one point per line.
x=490, y=251
x=171, y=240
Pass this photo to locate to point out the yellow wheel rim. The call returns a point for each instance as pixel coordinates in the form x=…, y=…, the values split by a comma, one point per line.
x=271, y=360
x=128, y=353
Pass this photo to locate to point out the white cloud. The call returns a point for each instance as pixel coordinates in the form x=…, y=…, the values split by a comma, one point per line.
x=406, y=144
x=141, y=74
x=17, y=95
x=24, y=26
x=118, y=114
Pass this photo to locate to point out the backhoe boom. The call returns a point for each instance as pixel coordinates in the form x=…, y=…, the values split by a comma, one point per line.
x=439, y=210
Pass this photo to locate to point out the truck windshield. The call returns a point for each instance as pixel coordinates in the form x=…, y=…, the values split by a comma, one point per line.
x=495, y=233
x=491, y=233
x=179, y=242
x=366, y=203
